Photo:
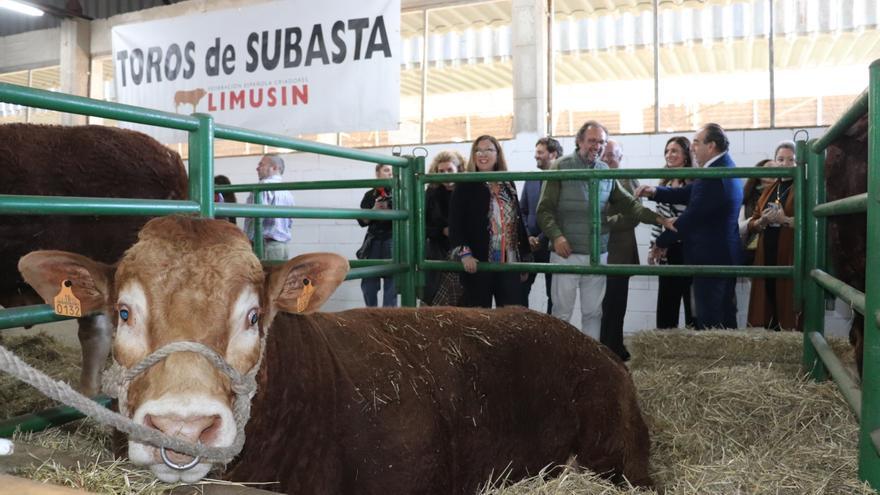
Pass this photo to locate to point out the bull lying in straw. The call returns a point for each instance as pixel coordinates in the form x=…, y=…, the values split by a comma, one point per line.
x=364, y=401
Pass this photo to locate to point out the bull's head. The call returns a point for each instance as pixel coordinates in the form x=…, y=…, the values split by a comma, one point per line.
x=187, y=279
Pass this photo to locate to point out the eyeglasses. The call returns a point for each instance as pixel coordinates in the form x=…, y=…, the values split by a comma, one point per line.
x=490, y=151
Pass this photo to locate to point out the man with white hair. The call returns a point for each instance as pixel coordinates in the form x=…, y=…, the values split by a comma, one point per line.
x=622, y=250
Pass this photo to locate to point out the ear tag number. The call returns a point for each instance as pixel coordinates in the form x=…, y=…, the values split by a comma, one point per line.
x=65, y=303
x=302, y=302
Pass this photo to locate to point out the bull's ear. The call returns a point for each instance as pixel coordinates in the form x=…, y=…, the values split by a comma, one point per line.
x=45, y=271
x=303, y=284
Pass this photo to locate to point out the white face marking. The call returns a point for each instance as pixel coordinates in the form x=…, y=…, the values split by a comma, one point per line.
x=244, y=337
x=132, y=334
x=181, y=406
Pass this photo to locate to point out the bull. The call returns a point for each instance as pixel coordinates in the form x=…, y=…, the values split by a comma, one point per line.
x=846, y=174
x=362, y=401
x=90, y=161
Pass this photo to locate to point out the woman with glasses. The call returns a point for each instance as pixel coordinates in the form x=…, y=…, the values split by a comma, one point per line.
x=771, y=304
x=485, y=225
x=437, y=220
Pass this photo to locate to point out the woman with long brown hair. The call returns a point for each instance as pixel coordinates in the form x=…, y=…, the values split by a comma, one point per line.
x=673, y=292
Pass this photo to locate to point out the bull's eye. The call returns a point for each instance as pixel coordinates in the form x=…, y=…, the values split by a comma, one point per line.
x=253, y=317
x=123, y=313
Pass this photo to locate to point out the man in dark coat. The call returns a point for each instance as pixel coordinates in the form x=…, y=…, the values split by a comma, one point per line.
x=622, y=250
x=547, y=150
x=708, y=227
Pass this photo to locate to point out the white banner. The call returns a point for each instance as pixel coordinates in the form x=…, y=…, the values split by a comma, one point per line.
x=288, y=67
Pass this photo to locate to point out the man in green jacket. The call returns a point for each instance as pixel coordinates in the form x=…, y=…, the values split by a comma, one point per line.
x=564, y=216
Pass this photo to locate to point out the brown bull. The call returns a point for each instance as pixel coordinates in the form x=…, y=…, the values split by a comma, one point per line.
x=87, y=161
x=846, y=174
x=363, y=401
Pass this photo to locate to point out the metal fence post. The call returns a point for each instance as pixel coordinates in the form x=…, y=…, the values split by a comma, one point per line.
x=259, y=243
x=397, y=227
x=869, y=459
x=595, y=222
x=201, y=165
x=407, y=239
x=418, y=219
x=813, y=295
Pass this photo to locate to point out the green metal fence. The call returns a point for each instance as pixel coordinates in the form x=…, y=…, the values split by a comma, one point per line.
x=818, y=357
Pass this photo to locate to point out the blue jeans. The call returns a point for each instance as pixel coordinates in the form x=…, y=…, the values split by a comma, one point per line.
x=715, y=299
x=379, y=249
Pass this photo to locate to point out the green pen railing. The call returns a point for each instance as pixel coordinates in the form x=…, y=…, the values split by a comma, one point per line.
x=202, y=133
x=817, y=356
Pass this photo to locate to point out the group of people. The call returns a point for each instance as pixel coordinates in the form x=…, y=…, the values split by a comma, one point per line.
x=696, y=222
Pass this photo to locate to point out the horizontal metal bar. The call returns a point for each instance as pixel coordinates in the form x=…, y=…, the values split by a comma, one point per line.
x=29, y=315
x=269, y=211
x=852, y=114
x=629, y=173
x=55, y=205
x=376, y=271
x=845, y=206
x=663, y=270
x=850, y=295
x=278, y=141
x=39, y=421
x=297, y=186
x=39, y=98
x=850, y=390
x=355, y=263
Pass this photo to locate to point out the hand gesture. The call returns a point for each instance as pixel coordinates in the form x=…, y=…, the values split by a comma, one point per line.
x=667, y=223
x=561, y=246
x=645, y=191
x=470, y=264
x=534, y=243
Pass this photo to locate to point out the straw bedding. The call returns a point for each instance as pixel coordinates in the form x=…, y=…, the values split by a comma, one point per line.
x=728, y=413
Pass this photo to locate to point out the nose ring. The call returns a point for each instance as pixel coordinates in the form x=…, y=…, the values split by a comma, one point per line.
x=180, y=467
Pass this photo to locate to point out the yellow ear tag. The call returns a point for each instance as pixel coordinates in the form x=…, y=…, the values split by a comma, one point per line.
x=65, y=303
x=302, y=302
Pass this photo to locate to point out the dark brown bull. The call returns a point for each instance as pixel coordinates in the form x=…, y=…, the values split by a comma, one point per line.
x=93, y=161
x=846, y=174
x=379, y=401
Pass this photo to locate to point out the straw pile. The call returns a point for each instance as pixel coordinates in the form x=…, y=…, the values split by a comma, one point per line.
x=44, y=353
x=728, y=413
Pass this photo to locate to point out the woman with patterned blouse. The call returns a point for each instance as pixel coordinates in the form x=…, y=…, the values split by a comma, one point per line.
x=485, y=225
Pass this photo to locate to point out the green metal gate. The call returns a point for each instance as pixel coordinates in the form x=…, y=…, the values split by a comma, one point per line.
x=818, y=357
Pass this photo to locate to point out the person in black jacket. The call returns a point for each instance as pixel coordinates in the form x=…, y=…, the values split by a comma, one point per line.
x=437, y=217
x=377, y=243
x=485, y=225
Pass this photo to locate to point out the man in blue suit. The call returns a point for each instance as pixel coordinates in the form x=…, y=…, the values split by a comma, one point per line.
x=708, y=227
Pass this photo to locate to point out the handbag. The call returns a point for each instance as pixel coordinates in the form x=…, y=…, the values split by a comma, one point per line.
x=364, y=251
x=449, y=291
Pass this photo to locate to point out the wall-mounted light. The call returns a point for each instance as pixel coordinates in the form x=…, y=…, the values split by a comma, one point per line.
x=21, y=8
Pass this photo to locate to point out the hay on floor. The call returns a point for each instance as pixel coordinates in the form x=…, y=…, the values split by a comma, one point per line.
x=729, y=413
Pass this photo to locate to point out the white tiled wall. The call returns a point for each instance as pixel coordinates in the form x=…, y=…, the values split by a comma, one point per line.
x=344, y=236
